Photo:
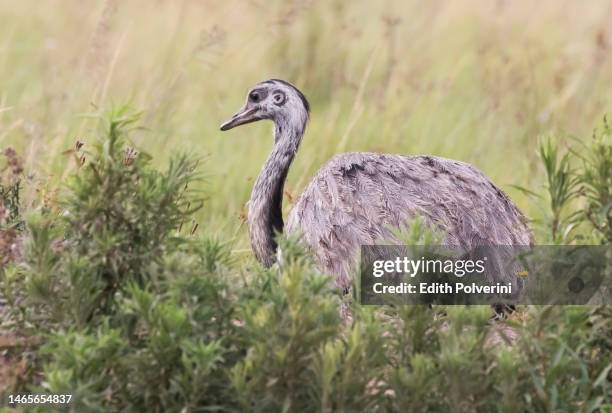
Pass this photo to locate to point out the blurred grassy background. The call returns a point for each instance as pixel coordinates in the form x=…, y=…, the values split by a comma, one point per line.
x=473, y=80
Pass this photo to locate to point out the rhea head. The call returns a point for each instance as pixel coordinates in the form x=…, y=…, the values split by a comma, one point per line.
x=276, y=100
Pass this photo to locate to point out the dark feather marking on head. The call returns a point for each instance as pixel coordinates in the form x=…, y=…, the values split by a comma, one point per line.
x=298, y=91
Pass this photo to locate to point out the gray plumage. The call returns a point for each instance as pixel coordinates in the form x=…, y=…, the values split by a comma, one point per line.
x=358, y=198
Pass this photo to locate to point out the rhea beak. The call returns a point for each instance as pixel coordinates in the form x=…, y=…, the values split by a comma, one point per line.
x=246, y=115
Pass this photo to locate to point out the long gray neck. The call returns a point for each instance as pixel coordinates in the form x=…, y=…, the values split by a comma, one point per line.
x=265, y=207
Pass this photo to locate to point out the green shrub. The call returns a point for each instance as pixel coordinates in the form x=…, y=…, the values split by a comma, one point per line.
x=576, y=204
x=595, y=178
x=558, y=222
x=125, y=309
x=11, y=223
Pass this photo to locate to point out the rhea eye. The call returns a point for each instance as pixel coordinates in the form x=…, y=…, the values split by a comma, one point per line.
x=278, y=98
x=254, y=97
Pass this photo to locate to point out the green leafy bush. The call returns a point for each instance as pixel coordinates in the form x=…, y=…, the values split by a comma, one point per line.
x=123, y=307
x=595, y=178
x=576, y=203
x=11, y=223
x=560, y=192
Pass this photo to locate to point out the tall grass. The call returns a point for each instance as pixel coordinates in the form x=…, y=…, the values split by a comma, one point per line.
x=475, y=81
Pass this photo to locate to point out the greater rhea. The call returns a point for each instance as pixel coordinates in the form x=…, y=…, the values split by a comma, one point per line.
x=358, y=198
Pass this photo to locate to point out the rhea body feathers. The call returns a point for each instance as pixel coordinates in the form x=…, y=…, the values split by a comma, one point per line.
x=359, y=198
